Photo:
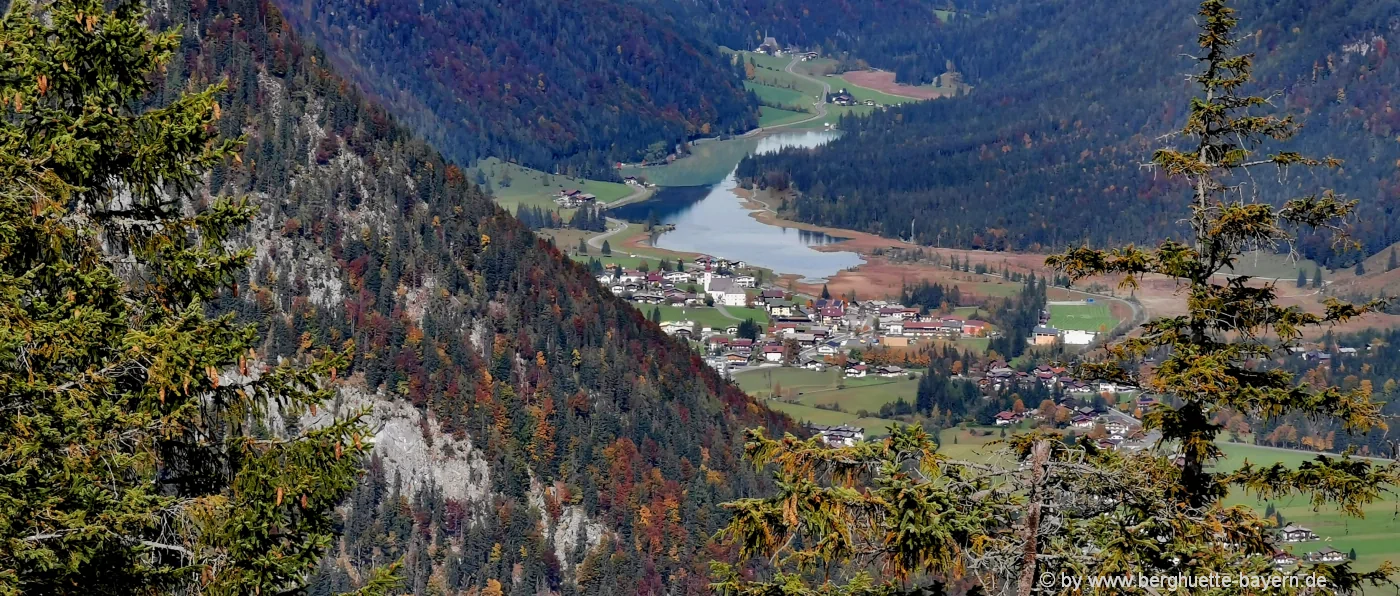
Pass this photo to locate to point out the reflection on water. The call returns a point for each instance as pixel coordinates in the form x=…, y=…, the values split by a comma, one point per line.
x=713, y=220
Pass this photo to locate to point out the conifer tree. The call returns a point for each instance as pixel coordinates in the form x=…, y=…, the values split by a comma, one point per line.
x=1361, y=267
x=1317, y=276
x=1392, y=263
x=826, y=294
x=607, y=249
x=1302, y=279
x=135, y=455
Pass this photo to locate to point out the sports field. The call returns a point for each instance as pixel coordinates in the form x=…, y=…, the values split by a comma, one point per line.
x=1086, y=317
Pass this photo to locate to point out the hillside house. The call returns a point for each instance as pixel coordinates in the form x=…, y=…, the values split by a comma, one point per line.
x=1326, y=555
x=838, y=436
x=780, y=308
x=1296, y=533
x=1283, y=559
x=773, y=352
x=856, y=371
x=842, y=98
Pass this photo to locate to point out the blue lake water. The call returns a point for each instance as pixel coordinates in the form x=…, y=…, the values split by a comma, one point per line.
x=713, y=220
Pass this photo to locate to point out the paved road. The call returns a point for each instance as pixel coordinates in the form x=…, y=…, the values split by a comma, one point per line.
x=615, y=226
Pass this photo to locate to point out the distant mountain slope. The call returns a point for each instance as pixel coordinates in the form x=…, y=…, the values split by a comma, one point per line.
x=536, y=432
x=1070, y=100
x=904, y=36
x=576, y=85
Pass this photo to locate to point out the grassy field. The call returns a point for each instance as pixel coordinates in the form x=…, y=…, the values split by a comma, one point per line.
x=874, y=427
x=536, y=188
x=1272, y=265
x=709, y=163
x=1087, y=317
x=760, y=382
x=774, y=117
x=863, y=93
x=830, y=387
x=707, y=316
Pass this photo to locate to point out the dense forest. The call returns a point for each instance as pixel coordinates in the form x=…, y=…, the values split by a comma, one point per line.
x=368, y=237
x=1049, y=149
x=568, y=87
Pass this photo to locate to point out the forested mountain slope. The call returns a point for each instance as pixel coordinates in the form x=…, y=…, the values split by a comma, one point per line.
x=537, y=432
x=1072, y=97
x=573, y=85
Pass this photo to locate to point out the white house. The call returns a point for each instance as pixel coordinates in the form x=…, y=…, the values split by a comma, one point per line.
x=745, y=281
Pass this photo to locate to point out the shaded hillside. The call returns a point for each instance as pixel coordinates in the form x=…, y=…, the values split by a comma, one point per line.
x=569, y=85
x=1048, y=150
x=536, y=432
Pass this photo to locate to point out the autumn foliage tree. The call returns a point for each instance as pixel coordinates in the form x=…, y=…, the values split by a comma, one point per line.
x=137, y=452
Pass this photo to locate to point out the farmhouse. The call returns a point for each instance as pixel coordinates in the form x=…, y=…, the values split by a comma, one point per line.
x=1326, y=555
x=838, y=436
x=773, y=352
x=1296, y=533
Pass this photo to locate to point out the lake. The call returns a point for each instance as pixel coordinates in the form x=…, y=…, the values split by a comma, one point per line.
x=713, y=220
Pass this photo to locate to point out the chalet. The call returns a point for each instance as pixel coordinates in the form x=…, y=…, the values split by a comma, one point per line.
x=843, y=98
x=856, y=370
x=1283, y=559
x=655, y=278
x=810, y=363
x=1116, y=426
x=1326, y=555
x=1296, y=533
x=893, y=326
x=1083, y=421
x=780, y=307
x=827, y=349
x=831, y=314
x=717, y=342
x=806, y=339
x=772, y=294
x=838, y=436
x=742, y=342
x=974, y=328
x=1346, y=351
x=679, y=277
x=773, y=352
x=890, y=371
x=1005, y=418
x=1044, y=336
x=745, y=281
x=950, y=327
x=736, y=359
